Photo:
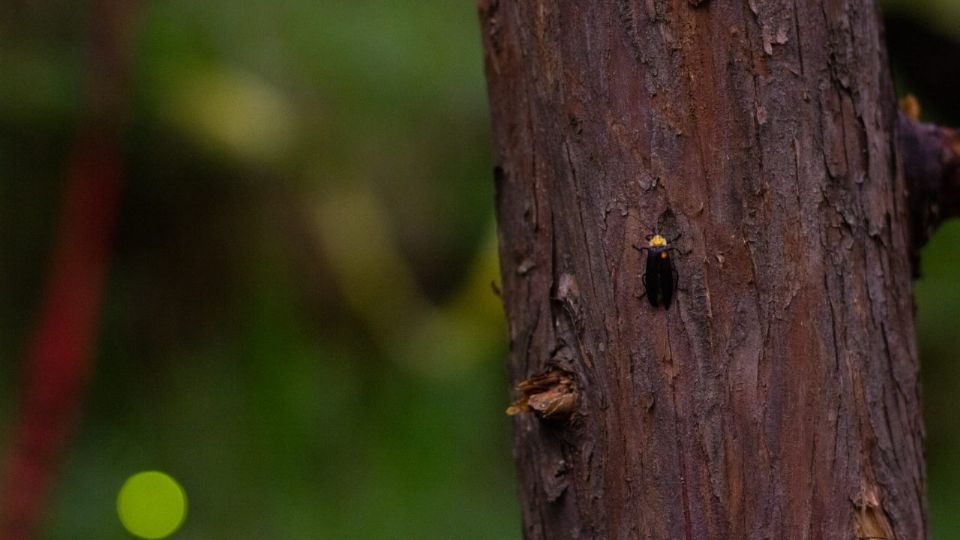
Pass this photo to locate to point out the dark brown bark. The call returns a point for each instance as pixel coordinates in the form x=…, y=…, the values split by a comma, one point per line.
x=778, y=397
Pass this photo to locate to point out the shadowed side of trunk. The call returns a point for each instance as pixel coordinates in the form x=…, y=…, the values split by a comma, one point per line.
x=778, y=396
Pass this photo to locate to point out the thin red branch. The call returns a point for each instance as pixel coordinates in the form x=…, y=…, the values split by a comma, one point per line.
x=60, y=353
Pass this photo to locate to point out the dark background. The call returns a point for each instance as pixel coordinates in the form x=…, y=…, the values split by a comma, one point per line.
x=299, y=324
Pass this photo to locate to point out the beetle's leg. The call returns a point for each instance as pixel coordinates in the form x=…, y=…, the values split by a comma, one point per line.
x=640, y=249
x=643, y=278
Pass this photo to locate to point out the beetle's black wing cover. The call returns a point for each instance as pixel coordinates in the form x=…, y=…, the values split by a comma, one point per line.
x=659, y=279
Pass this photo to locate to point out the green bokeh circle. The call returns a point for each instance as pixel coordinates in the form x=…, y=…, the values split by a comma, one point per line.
x=151, y=504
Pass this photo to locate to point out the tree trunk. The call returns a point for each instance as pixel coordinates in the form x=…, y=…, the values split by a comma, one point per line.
x=778, y=397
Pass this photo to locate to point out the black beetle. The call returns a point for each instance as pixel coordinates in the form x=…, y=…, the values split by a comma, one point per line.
x=660, y=279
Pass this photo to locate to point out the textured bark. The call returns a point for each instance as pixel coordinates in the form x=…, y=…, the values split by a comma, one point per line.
x=778, y=397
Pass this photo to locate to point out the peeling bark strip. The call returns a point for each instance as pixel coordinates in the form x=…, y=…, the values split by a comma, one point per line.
x=551, y=395
x=778, y=398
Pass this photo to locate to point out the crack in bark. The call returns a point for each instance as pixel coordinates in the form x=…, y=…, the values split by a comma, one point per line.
x=796, y=26
x=685, y=497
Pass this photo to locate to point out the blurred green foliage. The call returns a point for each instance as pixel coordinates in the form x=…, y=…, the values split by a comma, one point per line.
x=938, y=318
x=299, y=325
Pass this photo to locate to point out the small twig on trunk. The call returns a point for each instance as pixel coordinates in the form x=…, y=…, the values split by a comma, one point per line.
x=931, y=163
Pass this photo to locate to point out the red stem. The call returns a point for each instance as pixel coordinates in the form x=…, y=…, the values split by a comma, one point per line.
x=60, y=353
